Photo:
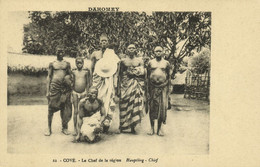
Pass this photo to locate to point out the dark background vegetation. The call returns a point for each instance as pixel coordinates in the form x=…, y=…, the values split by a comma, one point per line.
x=78, y=32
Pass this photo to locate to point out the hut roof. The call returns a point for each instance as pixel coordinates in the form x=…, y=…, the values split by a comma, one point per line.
x=37, y=61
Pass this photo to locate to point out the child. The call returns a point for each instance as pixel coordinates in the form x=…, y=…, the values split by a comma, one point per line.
x=82, y=79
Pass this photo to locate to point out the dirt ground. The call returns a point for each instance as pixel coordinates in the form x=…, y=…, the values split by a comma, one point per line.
x=187, y=132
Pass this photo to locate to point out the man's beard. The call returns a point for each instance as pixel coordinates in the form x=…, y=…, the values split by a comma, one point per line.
x=60, y=57
x=103, y=48
x=158, y=57
x=80, y=68
x=131, y=54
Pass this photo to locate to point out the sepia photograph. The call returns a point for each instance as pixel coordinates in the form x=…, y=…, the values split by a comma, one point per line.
x=129, y=83
x=116, y=82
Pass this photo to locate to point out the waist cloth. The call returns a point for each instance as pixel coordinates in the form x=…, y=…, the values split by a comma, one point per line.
x=158, y=102
x=131, y=102
x=59, y=96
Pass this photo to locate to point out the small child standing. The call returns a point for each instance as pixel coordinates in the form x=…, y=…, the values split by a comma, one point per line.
x=82, y=82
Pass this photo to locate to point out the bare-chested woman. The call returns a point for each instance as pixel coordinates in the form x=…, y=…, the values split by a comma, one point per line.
x=82, y=82
x=59, y=88
x=158, y=72
x=130, y=90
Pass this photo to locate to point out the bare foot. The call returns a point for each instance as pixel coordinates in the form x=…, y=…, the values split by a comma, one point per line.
x=160, y=133
x=97, y=138
x=47, y=133
x=74, y=133
x=151, y=132
x=133, y=131
x=75, y=141
x=65, y=131
x=108, y=133
x=118, y=131
x=77, y=138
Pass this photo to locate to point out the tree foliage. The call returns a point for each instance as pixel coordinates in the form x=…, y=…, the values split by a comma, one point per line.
x=200, y=63
x=78, y=32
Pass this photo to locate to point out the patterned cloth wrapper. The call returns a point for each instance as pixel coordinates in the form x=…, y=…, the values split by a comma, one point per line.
x=131, y=102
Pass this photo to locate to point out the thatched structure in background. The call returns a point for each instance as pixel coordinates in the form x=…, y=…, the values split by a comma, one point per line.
x=27, y=75
x=29, y=64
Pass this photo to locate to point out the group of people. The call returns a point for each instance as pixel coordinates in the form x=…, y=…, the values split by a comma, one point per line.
x=95, y=92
